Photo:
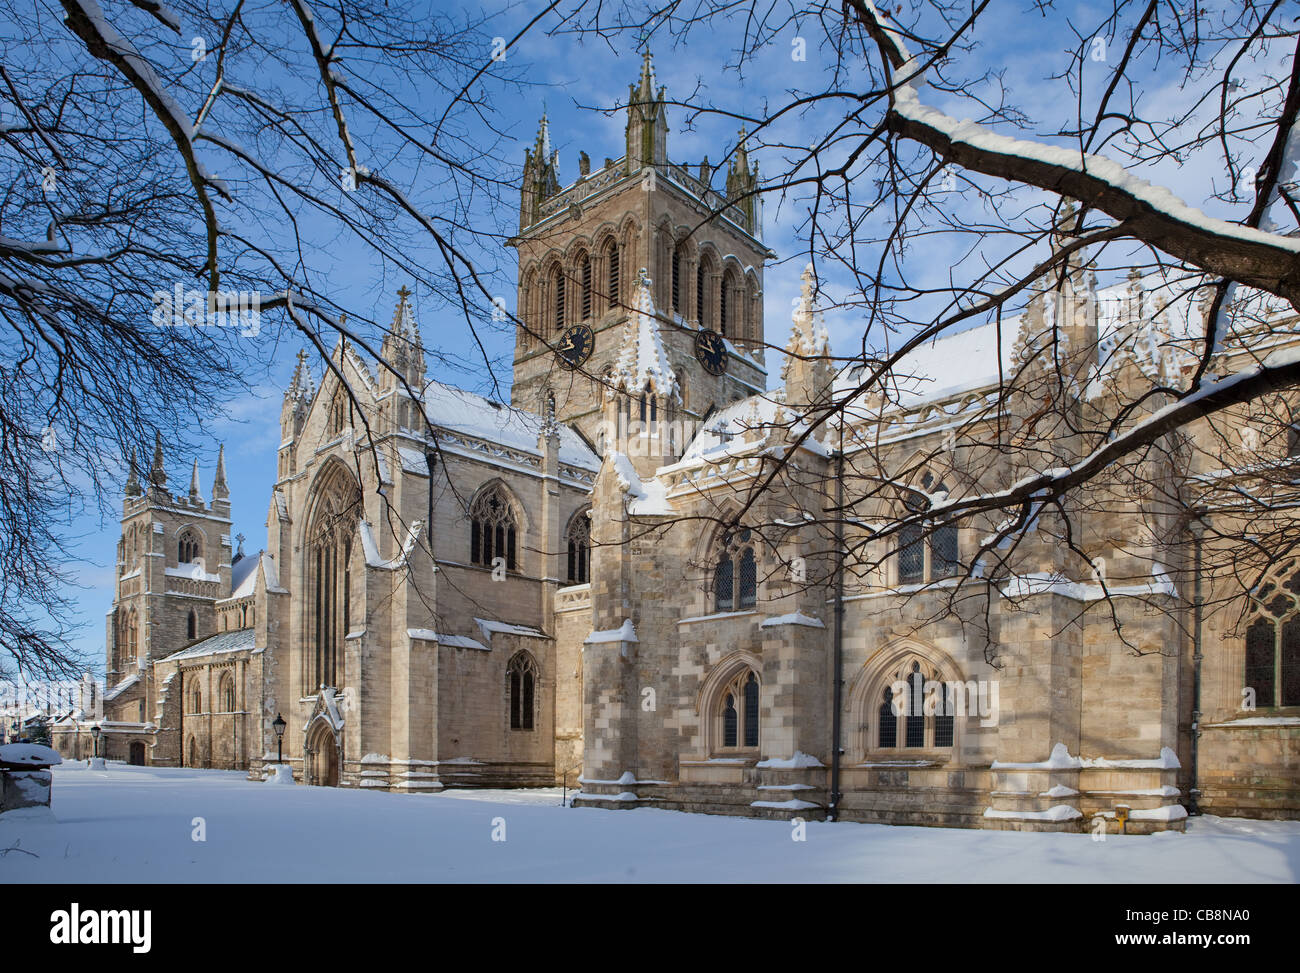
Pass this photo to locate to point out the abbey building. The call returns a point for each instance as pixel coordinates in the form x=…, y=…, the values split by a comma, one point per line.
x=585, y=586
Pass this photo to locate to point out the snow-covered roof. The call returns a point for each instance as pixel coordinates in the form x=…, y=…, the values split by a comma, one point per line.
x=244, y=574
x=456, y=410
x=489, y=626
x=121, y=687
x=725, y=431
x=944, y=367
x=244, y=639
x=1168, y=313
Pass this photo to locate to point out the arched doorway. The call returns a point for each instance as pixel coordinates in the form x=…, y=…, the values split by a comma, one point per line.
x=193, y=749
x=136, y=754
x=322, y=756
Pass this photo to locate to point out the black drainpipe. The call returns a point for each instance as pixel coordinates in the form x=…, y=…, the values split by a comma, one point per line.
x=1194, y=791
x=832, y=812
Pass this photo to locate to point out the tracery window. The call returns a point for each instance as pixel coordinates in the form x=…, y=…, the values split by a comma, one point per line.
x=1272, y=667
x=735, y=574
x=578, y=541
x=916, y=710
x=736, y=712
x=521, y=680
x=329, y=556
x=493, y=529
x=926, y=553
x=189, y=547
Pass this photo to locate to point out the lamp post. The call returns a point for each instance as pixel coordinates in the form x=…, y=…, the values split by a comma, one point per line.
x=94, y=735
x=279, y=726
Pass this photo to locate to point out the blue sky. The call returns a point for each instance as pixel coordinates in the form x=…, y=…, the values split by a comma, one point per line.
x=568, y=78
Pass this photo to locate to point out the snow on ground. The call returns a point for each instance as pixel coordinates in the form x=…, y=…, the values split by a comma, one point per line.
x=134, y=824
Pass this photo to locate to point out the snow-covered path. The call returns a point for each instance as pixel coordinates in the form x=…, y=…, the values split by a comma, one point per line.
x=135, y=824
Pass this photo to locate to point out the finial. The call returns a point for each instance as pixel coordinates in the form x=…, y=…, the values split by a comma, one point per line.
x=403, y=293
x=220, y=491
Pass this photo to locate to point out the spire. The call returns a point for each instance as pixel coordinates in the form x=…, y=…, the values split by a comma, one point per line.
x=402, y=349
x=647, y=123
x=157, y=475
x=195, y=495
x=808, y=337
x=742, y=186
x=542, y=146
x=300, y=386
x=541, y=175
x=807, y=373
x=643, y=358
x=645, y=89
x=132, y=479
x=404, y=322
x=219, y=489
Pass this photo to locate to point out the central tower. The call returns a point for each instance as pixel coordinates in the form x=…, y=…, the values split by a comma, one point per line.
x=583, y=248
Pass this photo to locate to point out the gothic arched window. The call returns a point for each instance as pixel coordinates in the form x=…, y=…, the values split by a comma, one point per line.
x=557, y=300
x=702, y=308
x=188, y=547
x=226, y=693
x=492, y=529
x=727, y=306
x=737, y=712
x=735, y=574
x=917, y=710
x=612, y=273
x=677, y=280
x=586, y=287
x=521, y=679
x=887, y=721
x=578, y=541
x=335, y=514
x=1272, y=667
x=926, y=554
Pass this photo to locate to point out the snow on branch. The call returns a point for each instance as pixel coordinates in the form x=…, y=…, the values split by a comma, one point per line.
x=1153, y=214
x=87, y=21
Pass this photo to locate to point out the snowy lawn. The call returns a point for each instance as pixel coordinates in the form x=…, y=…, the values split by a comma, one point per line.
x=135, y=824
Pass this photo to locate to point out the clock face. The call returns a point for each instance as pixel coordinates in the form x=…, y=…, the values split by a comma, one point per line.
x=711, y=350
x=575, y=346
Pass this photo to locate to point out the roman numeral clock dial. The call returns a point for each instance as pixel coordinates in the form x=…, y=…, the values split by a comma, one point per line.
x=711, y=350
x=575, y=346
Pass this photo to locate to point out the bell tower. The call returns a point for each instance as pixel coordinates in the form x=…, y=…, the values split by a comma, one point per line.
x=586, y=247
